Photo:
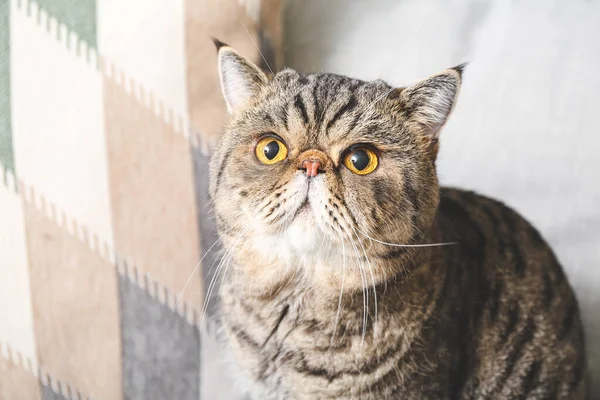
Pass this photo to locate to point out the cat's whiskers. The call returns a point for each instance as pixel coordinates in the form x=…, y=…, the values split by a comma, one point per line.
x=362, y=270
x=214, y=279
x=406, y=245
x=196, y=269
x=208, y=293
x=229, y=261
x=372, y=277
x=339, y=310
x=226, y=259
x=212, y=267
x=363, y=280
x=258, y=49
x=221, y=235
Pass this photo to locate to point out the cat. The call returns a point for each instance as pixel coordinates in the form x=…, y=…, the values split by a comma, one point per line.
x=349, y=273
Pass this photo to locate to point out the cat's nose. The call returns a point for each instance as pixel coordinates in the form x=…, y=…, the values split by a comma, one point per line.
x=313, y=162
x=312, y=167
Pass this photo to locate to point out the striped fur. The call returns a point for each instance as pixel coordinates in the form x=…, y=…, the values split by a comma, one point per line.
x=316, y=305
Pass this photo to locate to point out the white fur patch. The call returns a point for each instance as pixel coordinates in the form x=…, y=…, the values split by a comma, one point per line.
x=303, y=233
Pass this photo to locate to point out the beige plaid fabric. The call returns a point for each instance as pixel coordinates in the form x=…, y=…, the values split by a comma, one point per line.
x=107, y=111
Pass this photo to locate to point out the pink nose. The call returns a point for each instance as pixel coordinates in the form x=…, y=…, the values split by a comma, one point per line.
x=312, y=167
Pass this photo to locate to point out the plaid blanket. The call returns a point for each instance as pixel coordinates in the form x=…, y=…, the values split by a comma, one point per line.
x=107, y=109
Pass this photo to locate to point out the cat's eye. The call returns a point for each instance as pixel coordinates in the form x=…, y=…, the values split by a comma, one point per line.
x=361, y=160
x=270, y=150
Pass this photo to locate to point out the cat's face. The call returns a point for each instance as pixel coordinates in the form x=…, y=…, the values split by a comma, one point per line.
x=319, y=168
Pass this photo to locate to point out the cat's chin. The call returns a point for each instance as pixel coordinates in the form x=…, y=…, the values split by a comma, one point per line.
x=303, y=235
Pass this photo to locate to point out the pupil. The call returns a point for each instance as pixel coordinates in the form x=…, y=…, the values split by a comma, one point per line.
x=271, y=150
x=360, y=159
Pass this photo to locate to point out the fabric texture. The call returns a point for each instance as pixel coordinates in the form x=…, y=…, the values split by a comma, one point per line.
x=107, y=112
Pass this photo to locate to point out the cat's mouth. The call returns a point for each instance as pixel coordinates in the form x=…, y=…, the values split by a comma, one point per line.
x=304, y=208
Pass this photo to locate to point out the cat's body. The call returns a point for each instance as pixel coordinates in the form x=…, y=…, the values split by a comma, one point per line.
x=350, y=274
x=491, y=317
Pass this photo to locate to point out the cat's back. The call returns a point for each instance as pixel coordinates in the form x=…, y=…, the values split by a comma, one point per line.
x=520, y=330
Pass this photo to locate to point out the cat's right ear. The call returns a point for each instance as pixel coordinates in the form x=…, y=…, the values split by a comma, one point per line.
x=241, y=79
x=429, y=102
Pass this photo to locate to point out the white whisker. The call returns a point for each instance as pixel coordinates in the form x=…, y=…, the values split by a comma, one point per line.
x=196, y=268
x=363, y=281
x=407, y=245
x=217, y=273
x=337, y=316
x=258, y=48
x=212, y=267
x=371, y=273
x=219, y=268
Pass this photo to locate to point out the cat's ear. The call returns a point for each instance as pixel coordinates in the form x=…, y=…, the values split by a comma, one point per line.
x=429, y=102
x=240, y=78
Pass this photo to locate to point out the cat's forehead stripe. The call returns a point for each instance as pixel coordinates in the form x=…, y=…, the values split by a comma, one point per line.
x=348, y=107
x=324, y=102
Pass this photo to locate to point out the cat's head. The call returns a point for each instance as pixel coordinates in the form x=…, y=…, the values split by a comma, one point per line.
x=312, y=166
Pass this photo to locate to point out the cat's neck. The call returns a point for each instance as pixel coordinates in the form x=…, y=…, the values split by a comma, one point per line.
x=405, y=300
x=322, y=280
x=262, y=267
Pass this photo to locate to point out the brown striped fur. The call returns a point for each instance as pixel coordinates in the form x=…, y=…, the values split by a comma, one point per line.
x=313, y=308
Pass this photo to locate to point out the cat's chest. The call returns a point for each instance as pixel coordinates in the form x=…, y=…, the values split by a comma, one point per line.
x=295, y=346
x=258, y=335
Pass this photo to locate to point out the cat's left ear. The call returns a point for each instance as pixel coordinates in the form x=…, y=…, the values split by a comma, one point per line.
x=241, y=79
x=429, y=103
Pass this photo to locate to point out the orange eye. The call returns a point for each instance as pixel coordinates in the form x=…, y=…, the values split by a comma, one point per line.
x=270, y=150
x=361, y=161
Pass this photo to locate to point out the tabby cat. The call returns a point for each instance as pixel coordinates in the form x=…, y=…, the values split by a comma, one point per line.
x=349, y=273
